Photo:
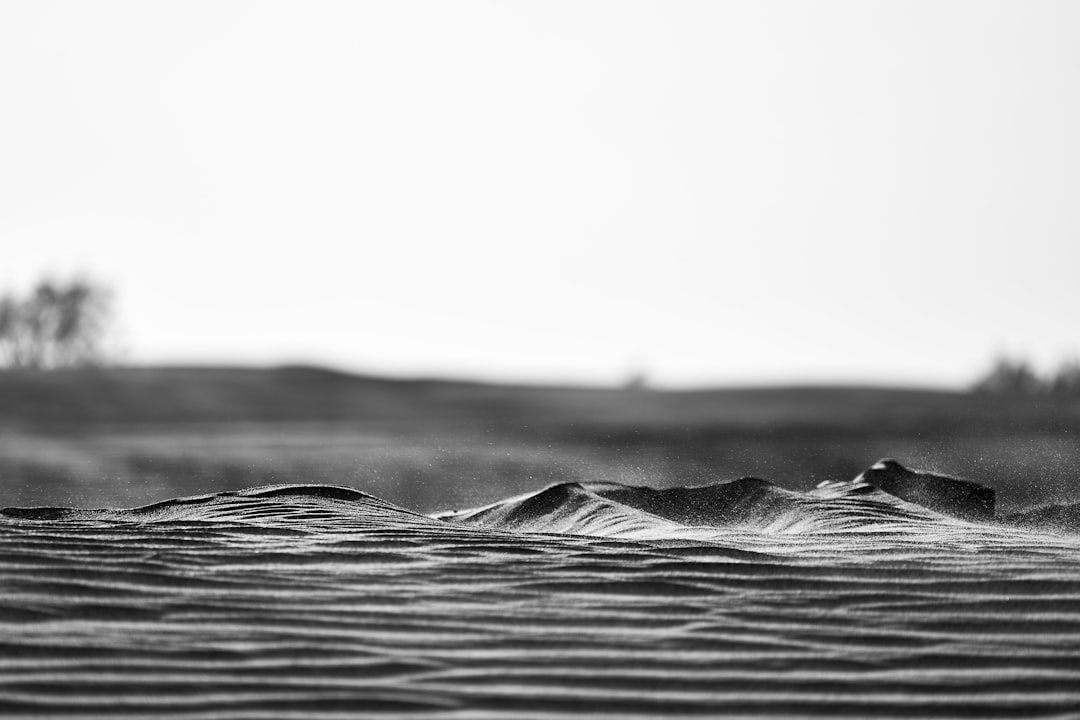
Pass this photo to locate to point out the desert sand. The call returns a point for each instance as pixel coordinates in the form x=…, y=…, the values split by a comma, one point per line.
x=578, y=600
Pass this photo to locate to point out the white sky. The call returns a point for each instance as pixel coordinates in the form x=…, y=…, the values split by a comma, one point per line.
x=715, y=192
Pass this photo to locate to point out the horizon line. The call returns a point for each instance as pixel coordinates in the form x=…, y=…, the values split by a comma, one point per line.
x=640, y=383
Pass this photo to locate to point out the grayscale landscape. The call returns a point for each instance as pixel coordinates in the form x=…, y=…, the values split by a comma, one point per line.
x=507, y=359
x=401, y=579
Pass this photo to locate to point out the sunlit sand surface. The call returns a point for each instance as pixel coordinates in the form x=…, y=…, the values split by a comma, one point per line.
x=314, y=601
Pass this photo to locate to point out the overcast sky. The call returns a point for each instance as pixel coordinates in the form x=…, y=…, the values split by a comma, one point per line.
x=711, y=192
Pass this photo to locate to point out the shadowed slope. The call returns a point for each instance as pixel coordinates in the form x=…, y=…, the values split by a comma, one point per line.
x=948, y=495
x=738, y=503
x=1061, y=518
x=755, y=504
x=569, y=508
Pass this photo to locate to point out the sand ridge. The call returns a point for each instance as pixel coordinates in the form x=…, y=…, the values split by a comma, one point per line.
x=316, y=601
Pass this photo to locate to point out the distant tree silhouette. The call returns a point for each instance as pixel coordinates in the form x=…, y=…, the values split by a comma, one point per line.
x=1015, y=377
x=57, y=325
x=1010, y=377
x=1067, y=379
x=638, y=380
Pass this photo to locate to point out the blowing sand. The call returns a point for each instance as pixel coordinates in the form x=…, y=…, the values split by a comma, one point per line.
x=740, y=599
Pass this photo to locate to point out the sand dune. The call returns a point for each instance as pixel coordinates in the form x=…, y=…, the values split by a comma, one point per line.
x=600, y=600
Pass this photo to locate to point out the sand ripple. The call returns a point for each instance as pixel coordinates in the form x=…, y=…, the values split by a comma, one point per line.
x=305, y=601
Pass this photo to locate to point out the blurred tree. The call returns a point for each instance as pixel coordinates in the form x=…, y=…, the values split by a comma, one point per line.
x=1010, y=377
x=56, y=325
x=1067, y=379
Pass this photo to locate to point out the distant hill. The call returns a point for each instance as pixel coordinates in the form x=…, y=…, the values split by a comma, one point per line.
x=170, y=395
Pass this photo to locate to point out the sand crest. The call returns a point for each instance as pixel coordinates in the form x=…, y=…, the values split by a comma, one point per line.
x=577, y=601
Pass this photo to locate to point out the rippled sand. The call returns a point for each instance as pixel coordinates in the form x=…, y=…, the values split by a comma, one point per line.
x=310, y=601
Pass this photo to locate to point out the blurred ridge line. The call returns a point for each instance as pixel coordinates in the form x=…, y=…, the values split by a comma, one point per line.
x=300, y=394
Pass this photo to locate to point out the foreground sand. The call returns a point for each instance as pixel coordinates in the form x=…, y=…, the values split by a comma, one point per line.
x=312, y=601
